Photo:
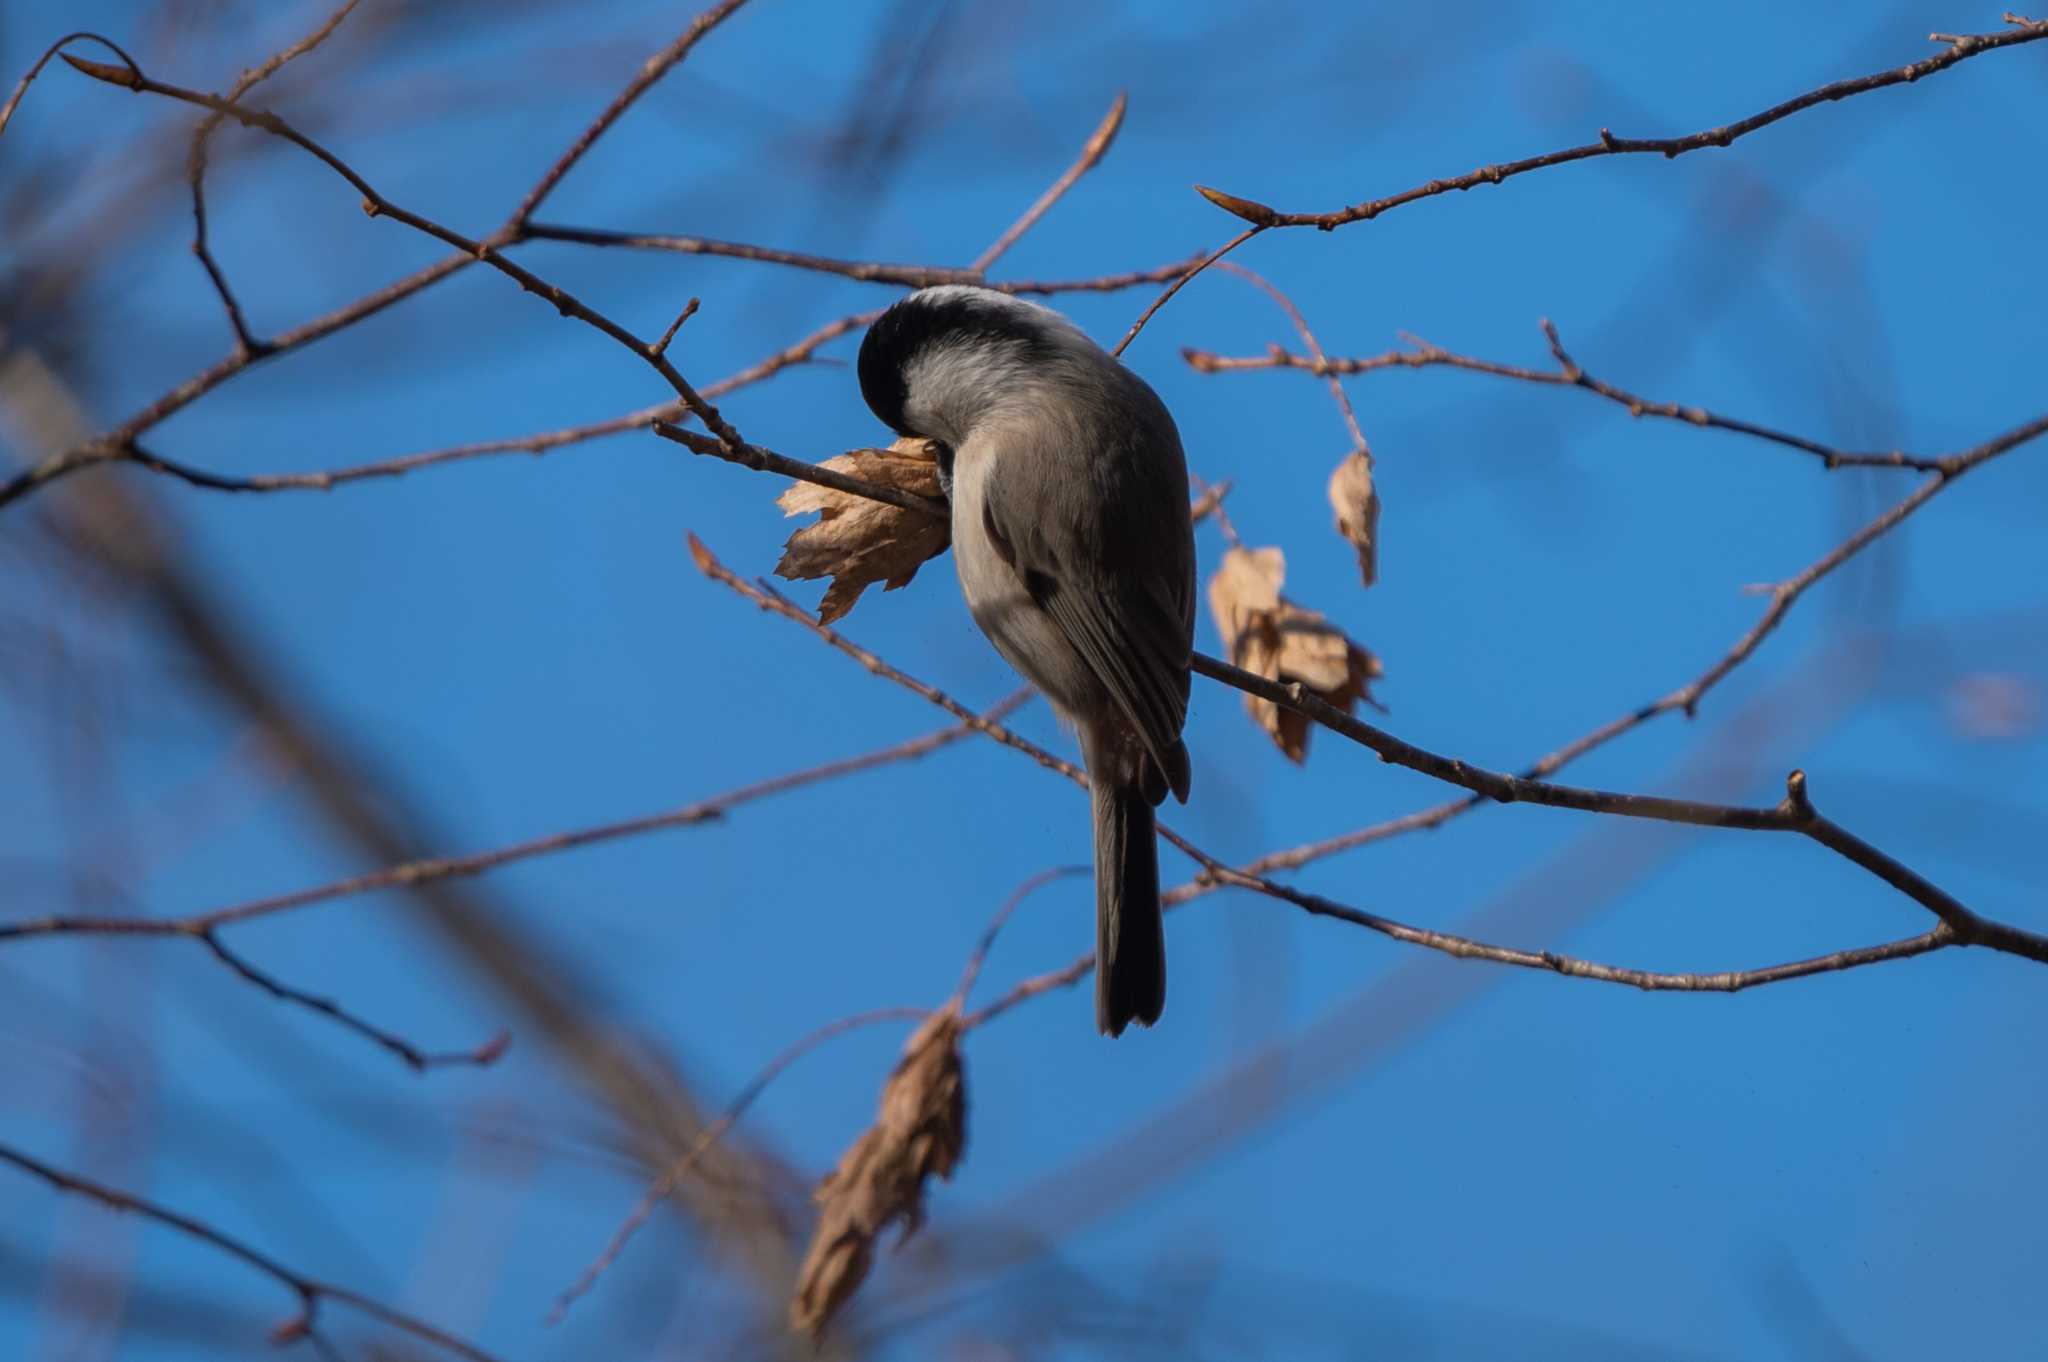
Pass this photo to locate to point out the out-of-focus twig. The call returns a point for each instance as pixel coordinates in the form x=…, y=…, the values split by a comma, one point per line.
x=665, y=1185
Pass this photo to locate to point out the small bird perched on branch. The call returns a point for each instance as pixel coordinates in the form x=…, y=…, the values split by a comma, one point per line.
x=1069, y=497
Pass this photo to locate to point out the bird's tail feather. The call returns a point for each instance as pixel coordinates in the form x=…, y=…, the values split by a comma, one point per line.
x=1130, y=937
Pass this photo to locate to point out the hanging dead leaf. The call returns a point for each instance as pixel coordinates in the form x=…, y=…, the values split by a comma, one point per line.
x=1266, y=633
x=857, y=542
x=1357, y=504
x=918, y=1134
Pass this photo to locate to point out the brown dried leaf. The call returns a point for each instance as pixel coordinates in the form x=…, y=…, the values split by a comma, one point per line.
x=918, y=1134
x=1266, y=633
x=1357, y=505
x=857, y=542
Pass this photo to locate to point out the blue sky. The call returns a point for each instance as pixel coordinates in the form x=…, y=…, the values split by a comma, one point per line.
x=1413, y=1156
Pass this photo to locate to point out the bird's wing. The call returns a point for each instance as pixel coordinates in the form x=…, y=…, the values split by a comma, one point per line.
x=1127, y=607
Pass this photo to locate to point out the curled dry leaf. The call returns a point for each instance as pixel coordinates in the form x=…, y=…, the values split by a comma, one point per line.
x=857, y=542
x=1357, y=504
x=1266, y=633
x=919, y=1133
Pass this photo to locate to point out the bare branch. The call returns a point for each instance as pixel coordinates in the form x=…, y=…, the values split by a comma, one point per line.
x=376, y=205
x=1948, y=469
x=1180, y=281
x=972, y=972
x=195, y=169
x=1795, y=814
x=1790, y=590
x=1422, y=355
x=689, y=311
x=1263, y=218
x=1091, y=156
x=205, y=927
x=451, y=867
x=329, y=479
x=664, y=1186
x=655, y=67
x=418, y=1060
x=775, y=603
x=118, y=444
x=1935, y=938
x=767, y=461
x=310, y=1292
x=1308, y=338
x=539, y=443
x=867, y=271
x=21, y=86
x=1960, y=49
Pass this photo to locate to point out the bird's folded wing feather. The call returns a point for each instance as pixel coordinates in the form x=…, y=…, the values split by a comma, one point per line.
x=1134, y=639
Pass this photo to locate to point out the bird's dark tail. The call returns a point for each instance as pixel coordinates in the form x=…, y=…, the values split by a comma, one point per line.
x=1130, y=938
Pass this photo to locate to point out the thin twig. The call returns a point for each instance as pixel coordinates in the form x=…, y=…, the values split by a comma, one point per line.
x=867, y=271
x=376, y=205
x=776, y=603
x=1208, y=501
x=664, y=1186
x=21, y=86
x=119, y=443
x=309, y=1292
x=1948, y=469
x=327, y=480
x=767, y=461
x=428, y=870
x=1960, y=48
x=652, y=70
x=1023, y=891
x=875, y=271
x=1180, y=281
x=1794, y=814
x=539, y=443
x=195, y=169
x=1935, y=938
x=205, y=927
x=689, y=311
x=1792, y=588
x=1308, y=338
x=417, y=1059
x=1263, y=218
x=1091, y=156
x=1420, y=354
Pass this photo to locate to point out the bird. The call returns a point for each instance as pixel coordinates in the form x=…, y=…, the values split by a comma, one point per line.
x=1068, y=496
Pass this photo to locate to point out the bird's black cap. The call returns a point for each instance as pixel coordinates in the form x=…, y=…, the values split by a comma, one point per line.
x=946, y=315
